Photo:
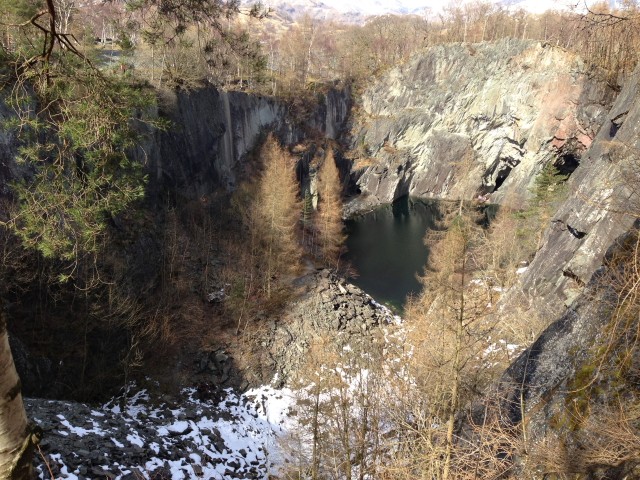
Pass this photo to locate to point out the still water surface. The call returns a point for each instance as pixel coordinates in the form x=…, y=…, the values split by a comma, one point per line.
x=387, y=251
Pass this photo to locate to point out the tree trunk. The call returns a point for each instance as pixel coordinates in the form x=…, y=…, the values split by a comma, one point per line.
x=315, y=458
x=457, y=361
x=14, y=461
x=453, y=406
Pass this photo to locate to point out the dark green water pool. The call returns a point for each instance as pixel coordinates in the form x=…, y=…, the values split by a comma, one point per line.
x=387, y=251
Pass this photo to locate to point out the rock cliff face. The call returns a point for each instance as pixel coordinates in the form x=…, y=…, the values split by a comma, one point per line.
x=602, y=205
x=542, y=374
x=212, y=131
x=568, y=283
x=469, y=120
x=457, y=121
x=209, y=136
x=204, y=150
x=564, y=385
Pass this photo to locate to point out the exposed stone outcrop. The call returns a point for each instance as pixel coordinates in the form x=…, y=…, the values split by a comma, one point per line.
x=568, y=284
x=212, y=131
x=457, y=121
x=474, y=120
x=601, y=205
x=204, y=150
x=209, y=136
x=326, y=307
x=572, y=372
x=196, y=432
x=543, y=371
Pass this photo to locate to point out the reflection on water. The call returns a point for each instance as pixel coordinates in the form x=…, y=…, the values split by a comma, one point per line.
x=387, y=251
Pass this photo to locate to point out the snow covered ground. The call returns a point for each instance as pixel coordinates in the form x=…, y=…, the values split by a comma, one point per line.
x=213, y=433
x=224, y=436
x=204, y=431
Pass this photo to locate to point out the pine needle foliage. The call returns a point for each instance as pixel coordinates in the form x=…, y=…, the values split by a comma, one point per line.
x=197, y=38
x=78, y=129
x=548, y=185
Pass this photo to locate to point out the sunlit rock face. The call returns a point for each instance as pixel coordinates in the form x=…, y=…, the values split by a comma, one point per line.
x=602, y=203
x=475, y=121
x=566, y=281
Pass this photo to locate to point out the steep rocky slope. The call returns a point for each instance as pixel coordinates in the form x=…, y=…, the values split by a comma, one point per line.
x=474, y=120
x=207, y=430
x=458, y=121
x=601, y=205
x=212, y=131
x=481, y=121
x=585, y=365
x=209, y=135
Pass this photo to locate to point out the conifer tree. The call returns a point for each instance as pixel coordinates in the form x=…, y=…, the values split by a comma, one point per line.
x=77, y=126
x=278, y=212
x=548, y=190
x=547, y=185
x=307, y=215
x=448, y=335
x=329, y=218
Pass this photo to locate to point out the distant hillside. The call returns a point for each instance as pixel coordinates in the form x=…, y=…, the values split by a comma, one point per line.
x=348, y=11
x=353, y=11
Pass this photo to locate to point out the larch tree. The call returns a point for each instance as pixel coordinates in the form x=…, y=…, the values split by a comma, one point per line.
x=278, y=208
x=448, y=335
x=329, y=216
